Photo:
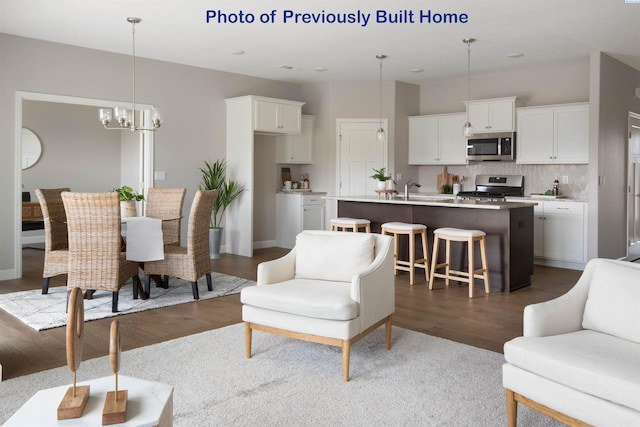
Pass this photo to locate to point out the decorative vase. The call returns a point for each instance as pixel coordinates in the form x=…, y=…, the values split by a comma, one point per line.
x=128, y=208
x=215, y=239
x=382, y=185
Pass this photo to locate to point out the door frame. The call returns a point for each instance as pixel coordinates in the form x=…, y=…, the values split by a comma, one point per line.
x=146, y=158
x=339, y=123
x=632, y=116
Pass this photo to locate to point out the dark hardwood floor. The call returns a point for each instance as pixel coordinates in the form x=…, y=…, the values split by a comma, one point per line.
x=486, y=321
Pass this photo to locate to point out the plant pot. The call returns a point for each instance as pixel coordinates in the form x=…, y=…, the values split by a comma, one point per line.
x=215, y=239
x=128, y=208
x=381, y=185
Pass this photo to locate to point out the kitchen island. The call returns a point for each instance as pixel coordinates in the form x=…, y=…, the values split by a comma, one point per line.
x=508, y=225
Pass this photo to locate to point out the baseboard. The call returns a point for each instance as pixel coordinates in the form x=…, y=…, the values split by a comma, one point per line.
x=560, y=264
x=8, y=274
x=30, y=240
x=264, y=244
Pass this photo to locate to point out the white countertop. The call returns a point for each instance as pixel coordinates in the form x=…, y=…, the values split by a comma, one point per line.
x=443, y=200
x=301, y=191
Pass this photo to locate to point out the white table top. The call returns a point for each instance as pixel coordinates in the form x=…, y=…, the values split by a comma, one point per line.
x=146, y=405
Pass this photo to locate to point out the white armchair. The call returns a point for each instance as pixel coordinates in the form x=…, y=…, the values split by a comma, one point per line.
x=579, y=358
x=332, y=288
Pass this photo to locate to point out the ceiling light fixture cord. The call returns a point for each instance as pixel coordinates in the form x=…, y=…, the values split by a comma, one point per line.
x=134, y=21
x=380, y=134
x=467, y=129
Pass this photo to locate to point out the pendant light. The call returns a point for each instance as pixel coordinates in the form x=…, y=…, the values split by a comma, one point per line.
x=380, y=134
x=127, y=118
x=467, y=128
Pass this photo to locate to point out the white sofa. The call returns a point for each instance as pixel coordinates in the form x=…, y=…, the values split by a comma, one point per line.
x=579, y=358
x=332, y=288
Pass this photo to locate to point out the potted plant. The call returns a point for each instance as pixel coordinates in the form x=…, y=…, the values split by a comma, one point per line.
x=214, y=177
x=381, y=176
x=128, y=199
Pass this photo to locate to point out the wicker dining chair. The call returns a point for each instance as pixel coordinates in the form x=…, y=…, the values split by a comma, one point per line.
x=191, y=262
x=96, y=261
x=56, y=243
x=166, y=204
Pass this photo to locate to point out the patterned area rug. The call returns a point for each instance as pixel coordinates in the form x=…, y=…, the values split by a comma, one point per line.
x=48, y=311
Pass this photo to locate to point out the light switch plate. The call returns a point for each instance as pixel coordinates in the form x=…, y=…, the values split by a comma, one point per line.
x=160, y=175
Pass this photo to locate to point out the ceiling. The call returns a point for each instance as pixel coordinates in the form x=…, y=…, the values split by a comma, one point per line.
x=543, y=31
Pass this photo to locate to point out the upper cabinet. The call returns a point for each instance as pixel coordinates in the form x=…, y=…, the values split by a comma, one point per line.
x=494, y=115
x=437, y=139
x=297, y=148
x=553, y=134
x=277, y=115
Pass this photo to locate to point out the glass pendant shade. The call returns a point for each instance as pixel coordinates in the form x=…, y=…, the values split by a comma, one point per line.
x=467, y=129
x=380, y=134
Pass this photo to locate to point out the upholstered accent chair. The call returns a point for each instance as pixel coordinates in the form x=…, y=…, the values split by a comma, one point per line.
x=578, y=360
x=56, y=243
x=189, y=262
x=332, y=288
x=96, y=261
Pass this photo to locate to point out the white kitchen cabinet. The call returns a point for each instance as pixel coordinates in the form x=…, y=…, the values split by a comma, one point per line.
x=297, y=148
x=553, y=134
x=494, y=115
x=295, y=212
x=277, y=116
x=560, y=233
x=437, y=139
x=240, y=155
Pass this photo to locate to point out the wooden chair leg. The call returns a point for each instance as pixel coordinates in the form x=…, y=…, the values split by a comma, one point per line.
x=412, y=257
x=447, y=261
x=485, y=265
x=45, y=285
x=471, y=267
x=209, y=284
x=135, y=287
x=346, y=355
x=194, y=288
x=247, y=340
x=425, y=253
x=512, y=409
x=434, y=260
x=147, y=284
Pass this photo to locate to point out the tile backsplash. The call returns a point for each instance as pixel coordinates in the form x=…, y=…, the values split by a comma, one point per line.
x=537, y=178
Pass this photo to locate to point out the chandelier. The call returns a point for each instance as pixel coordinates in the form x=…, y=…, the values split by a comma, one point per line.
x=127, y=118
x=380, y=133
x=467, y=128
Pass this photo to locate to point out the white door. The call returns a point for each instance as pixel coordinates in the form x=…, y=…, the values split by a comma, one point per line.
x=359, y=152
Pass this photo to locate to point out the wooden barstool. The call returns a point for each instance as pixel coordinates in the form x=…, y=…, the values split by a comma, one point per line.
x=353, y=224
x=399, y=228
x=460, y=235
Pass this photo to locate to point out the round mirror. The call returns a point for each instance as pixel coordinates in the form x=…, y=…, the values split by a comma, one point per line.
x=31, y=148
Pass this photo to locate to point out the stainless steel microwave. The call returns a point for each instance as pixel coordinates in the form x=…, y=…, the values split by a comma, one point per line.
x=499, y=146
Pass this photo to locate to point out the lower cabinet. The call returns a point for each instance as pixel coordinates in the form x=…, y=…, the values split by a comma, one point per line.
x=560, y=234
x=296, y=212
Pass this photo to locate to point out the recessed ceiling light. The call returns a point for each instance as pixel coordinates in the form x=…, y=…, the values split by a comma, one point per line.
x=515, y=55
x=417, y=70
x=289, y=67
x=237, y=52
x=319, y=69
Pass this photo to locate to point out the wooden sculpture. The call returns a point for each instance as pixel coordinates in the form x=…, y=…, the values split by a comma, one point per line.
x=115, y=404
x=75, y=399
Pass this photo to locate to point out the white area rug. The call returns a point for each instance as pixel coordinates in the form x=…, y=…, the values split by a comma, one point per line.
x=48, y=311
x=421, y=381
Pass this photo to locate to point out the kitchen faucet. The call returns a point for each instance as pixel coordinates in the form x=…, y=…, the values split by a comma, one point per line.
x=407, y=186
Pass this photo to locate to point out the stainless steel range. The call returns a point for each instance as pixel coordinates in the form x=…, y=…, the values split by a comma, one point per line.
x=495, y=188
